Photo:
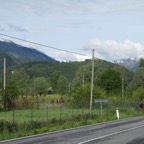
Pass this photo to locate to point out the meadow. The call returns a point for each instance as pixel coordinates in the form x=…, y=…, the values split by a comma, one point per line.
x=42, y=115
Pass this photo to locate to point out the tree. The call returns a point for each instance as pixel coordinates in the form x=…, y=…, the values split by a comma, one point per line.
x=111, y=81
x=11, y=93
x=138, y=94
x=62, y=85
x=41, y=86
x=22, y=80
x=85, y=70
x=138, y=79
x=54, y=79
x=141, y=62
x=81, y=95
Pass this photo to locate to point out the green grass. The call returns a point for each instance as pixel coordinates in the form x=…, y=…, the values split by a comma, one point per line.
x=56, y=125
x=49, y=117
x=58, y=112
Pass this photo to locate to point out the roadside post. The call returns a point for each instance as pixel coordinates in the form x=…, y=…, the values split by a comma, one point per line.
x=101, y=101
x=117, y=113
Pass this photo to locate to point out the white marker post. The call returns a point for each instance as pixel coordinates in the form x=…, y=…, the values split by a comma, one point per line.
x=117, y=113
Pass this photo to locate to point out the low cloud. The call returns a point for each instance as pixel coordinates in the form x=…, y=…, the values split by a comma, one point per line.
x=2, y=28
x=16, y=28
x=66, y=57
x=112, y=50
x=12, y=27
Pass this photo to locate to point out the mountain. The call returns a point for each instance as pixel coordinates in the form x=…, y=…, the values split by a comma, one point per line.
x=20, y=54
x=130, y=63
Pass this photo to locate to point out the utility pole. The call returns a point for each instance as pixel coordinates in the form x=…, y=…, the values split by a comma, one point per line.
x=122, y=87
x=92, y=78
x=83, y=80
x=69, y=87
x=4, y=84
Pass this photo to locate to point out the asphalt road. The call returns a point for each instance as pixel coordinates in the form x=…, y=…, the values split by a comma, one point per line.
x=127, y=131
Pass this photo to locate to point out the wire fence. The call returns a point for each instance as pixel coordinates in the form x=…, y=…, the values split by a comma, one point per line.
x=44, y=110
x=41, y=115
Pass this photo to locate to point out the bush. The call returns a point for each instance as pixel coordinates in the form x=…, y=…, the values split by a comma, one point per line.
x=8, y=126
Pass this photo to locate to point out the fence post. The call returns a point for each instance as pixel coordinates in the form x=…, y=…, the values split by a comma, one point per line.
x=60, y=111
x=82, y=111
x=47, y=113
x=72, y=113
x=31, y=113
x=13, y=114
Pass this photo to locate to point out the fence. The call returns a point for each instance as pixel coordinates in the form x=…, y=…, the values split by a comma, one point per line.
x=34, y=114
x=45, y=110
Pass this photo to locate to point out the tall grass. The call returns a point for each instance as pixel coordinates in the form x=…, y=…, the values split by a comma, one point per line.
x=12, y=130
x=51, y=117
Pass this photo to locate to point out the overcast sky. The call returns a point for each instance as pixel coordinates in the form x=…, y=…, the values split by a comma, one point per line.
x=114, y=28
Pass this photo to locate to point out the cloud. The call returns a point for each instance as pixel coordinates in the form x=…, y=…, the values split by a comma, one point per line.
x=82, y=7
x=16, y=28
x=64, y=56
x=2, y=28
x=112, y=50
x=72, y=7
x=12, y=27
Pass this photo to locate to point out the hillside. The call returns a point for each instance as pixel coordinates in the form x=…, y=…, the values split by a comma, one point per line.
x=68, y=69
x=20, y=54
x=49, y=69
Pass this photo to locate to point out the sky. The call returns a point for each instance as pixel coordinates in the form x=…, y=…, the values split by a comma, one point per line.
x=113, y=28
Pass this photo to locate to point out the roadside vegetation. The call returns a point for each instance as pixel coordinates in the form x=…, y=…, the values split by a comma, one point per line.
x=41, y=99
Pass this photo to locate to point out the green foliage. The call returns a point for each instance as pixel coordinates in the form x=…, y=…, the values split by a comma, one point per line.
x=12, y=129
x=138, y=79
x=138, y=94
x=48, y=69
x=11, y=93
x=54, y=79
x=41, y=86
x=101, y=67
x=126, y=74
x=111, y=81
x=62, y=85
x=22, y=80
x=141, y=62
x=81, y=95
x=12, y=90
x=77, y=73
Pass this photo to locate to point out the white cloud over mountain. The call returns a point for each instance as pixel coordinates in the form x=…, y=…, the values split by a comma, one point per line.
x=112, y=50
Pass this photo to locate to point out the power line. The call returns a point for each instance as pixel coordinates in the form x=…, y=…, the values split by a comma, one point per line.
x=43, y=45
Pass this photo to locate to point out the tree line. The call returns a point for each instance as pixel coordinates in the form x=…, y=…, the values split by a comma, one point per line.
x=110, y=81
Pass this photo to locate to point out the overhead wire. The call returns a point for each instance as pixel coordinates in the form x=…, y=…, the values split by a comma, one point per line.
x=43, y=45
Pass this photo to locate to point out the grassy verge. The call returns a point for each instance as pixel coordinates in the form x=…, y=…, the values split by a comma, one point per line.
x=10, y=130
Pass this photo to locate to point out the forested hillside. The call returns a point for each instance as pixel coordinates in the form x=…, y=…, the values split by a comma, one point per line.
x=73, y=80
x=20, y=54
x=74, y=72
x=104, y=74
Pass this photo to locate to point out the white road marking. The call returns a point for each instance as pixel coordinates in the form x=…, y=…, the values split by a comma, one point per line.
x=111, y=134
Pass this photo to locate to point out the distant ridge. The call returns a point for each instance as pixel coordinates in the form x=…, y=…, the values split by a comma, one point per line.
x=21, y=54
x=130, y=63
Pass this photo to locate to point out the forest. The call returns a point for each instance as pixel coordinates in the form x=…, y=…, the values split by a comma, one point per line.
x=72, y=80
x=48, y=96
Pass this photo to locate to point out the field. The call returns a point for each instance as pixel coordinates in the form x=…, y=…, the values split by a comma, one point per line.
x=39, y=115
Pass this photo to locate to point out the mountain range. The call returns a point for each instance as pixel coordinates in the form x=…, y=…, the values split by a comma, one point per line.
x=130, y=63
x=17, y=54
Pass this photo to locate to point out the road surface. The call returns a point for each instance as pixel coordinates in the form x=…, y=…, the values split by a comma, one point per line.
x=126, y=131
